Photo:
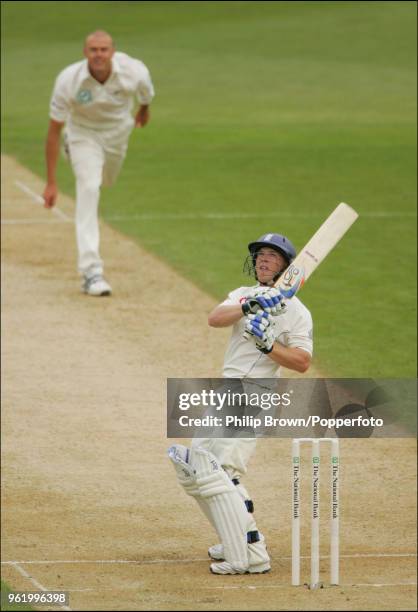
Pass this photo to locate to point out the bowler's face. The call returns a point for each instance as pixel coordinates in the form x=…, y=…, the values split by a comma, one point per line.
x=268, y=264
x=99, y=51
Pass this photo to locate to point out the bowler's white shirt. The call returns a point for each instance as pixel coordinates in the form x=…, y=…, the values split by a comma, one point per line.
x=79, y=100
x=293, y=329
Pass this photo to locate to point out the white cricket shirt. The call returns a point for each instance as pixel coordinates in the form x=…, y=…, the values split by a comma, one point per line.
x=79, y=100
x=293, y=329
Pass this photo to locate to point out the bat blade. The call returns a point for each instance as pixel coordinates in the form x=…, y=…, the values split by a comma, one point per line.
x=315, y=251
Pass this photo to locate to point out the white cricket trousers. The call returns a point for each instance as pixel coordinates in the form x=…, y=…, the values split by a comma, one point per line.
x=93, y=165
x=232, y=453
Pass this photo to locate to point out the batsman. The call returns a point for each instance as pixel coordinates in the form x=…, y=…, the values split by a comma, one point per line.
x=267, y=332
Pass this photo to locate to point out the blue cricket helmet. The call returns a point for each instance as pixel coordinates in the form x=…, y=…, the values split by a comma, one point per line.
x=274, y=241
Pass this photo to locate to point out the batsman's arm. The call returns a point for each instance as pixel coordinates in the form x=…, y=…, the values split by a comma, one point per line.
x=225, y=315
x=291, y=357
x=52, y=149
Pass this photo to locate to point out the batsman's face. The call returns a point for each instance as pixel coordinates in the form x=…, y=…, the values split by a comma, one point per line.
x=99, y=51
x=268, y=264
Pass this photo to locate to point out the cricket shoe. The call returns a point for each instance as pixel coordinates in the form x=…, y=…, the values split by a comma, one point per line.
x=258, y=557
x=225, y=568
x=216, y=552
x=96, y=286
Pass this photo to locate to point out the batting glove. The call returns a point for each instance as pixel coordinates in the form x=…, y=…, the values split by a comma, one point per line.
x=267, y=299
x=258, y=327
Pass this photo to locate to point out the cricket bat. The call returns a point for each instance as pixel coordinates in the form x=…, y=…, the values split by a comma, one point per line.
x=315, y=251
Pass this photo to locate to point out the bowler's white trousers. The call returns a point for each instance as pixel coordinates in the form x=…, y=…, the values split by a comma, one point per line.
x=96, y=157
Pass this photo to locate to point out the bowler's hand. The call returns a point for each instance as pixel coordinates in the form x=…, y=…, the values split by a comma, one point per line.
x=50, y=195
x=142, y=117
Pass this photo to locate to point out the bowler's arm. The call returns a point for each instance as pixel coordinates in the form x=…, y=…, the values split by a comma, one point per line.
x=52, y=150
x=143, y=116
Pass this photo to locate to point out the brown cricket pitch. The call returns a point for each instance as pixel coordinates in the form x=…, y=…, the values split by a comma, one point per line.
x=87, y=487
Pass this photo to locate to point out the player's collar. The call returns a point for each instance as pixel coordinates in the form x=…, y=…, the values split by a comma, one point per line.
x=115, y=64
x=85, y=72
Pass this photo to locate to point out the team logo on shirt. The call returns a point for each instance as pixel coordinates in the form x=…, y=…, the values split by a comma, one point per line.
x=84, y=96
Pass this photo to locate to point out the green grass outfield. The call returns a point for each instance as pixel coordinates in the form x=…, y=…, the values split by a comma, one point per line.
x=267, y=115
x=14, y=607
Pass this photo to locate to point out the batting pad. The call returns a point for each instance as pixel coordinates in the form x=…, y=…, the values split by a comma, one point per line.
x=226, y=507
x=243, y=493
x=257, y=551
x=179, y=455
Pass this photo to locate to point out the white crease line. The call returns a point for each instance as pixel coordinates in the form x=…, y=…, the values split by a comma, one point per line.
x=383, y=584
x=326, y=587
x=25, y=574
x=193, y=216
x=241, y=215
x=371, y=555
x=31, y=221
x=102, y=561
x=248, y=587
x=39, y=586
x=209, y=216
x=38, y=200
x=196, y=560
x=35, y=583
